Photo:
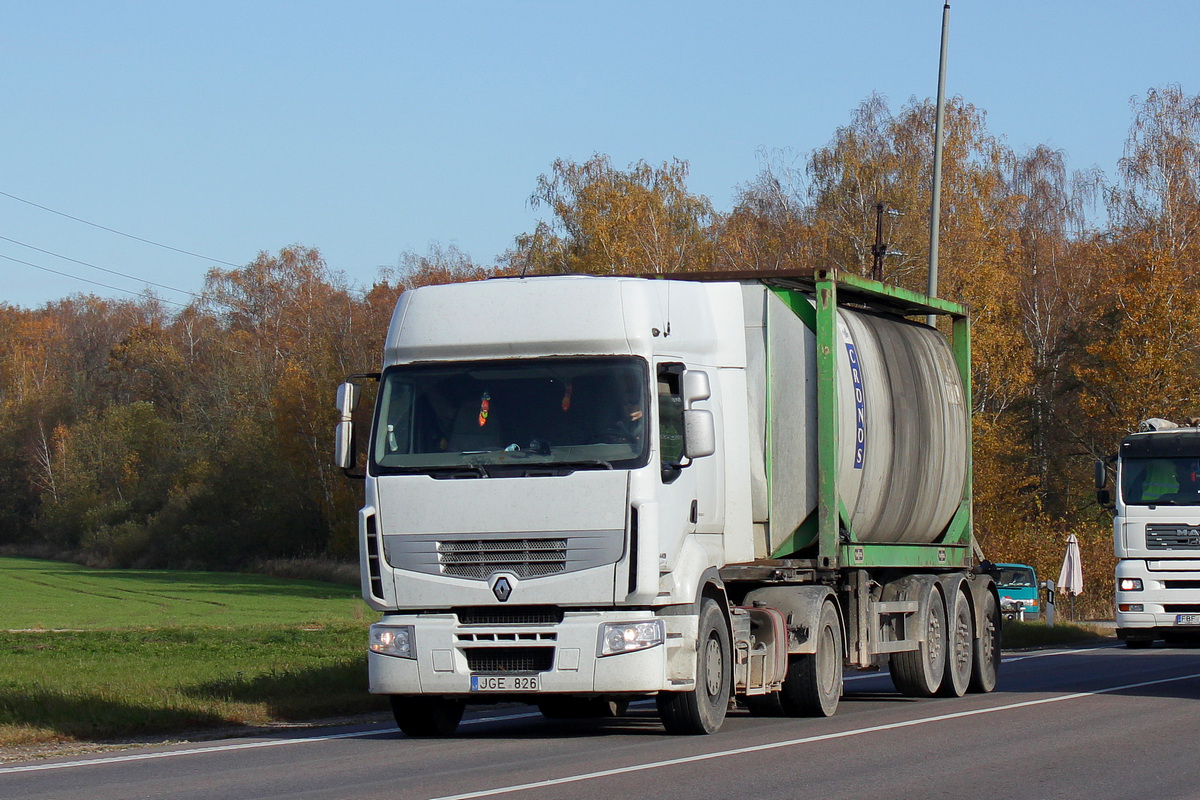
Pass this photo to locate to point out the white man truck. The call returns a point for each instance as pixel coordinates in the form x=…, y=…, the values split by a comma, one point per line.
x=582, y=491
x=1156, y=532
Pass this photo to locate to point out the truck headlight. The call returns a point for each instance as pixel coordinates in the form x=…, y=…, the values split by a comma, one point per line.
x=1130, y=584
x=394, y=640
x=626, y=637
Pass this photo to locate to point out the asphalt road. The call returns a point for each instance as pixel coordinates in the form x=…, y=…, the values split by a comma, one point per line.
x=1096, y=723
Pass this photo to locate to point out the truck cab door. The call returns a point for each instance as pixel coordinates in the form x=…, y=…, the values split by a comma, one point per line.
x=690, y=500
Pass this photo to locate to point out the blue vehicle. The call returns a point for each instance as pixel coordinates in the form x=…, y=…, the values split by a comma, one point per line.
x=1018, y=588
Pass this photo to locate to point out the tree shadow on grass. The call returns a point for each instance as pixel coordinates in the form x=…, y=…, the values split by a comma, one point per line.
x=298, y=694
x=92, y=717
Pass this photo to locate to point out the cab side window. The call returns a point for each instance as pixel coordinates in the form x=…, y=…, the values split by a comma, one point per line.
x=670, y=413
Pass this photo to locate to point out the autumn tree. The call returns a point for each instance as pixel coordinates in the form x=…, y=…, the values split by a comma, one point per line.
x=636, y=221
x=766, y=230
x=1141, y=356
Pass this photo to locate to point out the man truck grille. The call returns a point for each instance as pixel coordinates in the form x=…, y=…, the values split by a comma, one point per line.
x=525, y=558
x=510, y=659
x=1172, y=537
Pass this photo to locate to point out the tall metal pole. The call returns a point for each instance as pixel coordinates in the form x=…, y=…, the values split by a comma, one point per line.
x=935, y=210
x=879, y=249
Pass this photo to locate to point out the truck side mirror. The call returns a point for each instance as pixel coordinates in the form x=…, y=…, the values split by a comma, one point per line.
x=1104, y=498
x=343, y=445
x=699, y=433
x=347, y=398
x=1101, y=474
x=344, y=454
x=695, y=387
x=699, y=429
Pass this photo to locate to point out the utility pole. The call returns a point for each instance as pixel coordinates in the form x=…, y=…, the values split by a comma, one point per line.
x=879, y=249
x=935, y=210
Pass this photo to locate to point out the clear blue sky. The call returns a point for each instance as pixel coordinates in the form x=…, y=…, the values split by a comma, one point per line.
x=371, y=129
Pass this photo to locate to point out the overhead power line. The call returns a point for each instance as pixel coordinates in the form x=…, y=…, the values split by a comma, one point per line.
x=119, y=233
x=102, y=269
x=87, y=280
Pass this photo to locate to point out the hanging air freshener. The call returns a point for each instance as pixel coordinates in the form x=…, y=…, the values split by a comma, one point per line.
x=566, y=401
x=485, y=404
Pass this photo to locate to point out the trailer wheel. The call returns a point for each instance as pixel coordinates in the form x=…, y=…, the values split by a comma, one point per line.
x=702, y=710
x=918, y=673
x=987, y=647
x=427, y=716
x=960, y=636
x=813, y=684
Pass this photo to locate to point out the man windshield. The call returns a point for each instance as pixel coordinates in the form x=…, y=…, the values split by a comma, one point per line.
x=1161, y=481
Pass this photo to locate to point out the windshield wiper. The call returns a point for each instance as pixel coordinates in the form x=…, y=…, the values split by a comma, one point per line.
x=594, y=463
x=452, y=471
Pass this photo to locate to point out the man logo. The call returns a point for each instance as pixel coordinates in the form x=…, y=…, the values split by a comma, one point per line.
x=502, y=588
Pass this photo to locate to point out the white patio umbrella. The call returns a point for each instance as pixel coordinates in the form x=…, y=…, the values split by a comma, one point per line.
x=1070, y=577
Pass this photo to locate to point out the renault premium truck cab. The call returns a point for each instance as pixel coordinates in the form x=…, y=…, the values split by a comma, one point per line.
x=1156, y=532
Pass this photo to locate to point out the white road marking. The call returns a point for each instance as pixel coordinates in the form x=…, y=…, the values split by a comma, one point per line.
x=222, y=748
x=476, y=721
x=586, y=776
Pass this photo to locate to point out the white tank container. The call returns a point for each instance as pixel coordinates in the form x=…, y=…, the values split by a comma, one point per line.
x=901, y=436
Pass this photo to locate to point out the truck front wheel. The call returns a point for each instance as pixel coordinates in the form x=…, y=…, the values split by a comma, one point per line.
x=702, y=710
x=427, y=716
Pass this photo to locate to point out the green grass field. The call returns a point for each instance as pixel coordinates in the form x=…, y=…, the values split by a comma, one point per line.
x=1018, y=635
x=93, y=655
x=99, y=654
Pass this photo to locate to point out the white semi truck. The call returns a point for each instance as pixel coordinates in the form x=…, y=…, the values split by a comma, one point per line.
x=582, y=491
x=1156, y=532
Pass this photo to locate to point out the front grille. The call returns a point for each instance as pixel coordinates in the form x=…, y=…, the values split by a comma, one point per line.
x=1181, y=584
x=525, y=558
x=510, y=659
x=1181, y=608
x=510, y=615
x=1172, y=537
x=508, y=636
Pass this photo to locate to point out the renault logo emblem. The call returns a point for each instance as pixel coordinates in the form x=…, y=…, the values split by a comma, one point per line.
x=502, y=588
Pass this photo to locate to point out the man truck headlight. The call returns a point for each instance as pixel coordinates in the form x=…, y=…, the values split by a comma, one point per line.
x=394, y=640
x=1130, y=584
x=626, y=637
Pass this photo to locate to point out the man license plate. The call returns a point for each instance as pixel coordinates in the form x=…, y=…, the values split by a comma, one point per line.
x=506, y=683
x=1187, y=619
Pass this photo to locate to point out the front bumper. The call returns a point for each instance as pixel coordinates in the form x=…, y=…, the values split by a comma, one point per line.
x=442, y=667
x=1168, y=601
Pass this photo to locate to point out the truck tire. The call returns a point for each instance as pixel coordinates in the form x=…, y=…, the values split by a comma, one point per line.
x=813, y=684
x=427, y=716
x=702, y=710
x=960, y=652
x=918, y=673
x=987, y=647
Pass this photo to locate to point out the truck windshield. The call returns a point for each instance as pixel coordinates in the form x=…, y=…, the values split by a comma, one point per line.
x=1016, y=577
x=1161, y=481
x=507, y=417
